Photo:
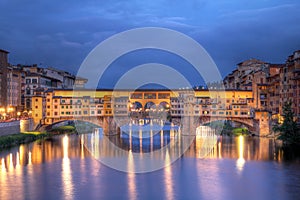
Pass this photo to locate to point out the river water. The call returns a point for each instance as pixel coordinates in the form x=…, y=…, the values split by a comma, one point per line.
x=65, y=168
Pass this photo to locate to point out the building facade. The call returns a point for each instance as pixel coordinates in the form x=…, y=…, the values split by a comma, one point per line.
x=271, y=84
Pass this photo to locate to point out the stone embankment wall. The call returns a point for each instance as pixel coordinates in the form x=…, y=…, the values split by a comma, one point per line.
x=8, y=128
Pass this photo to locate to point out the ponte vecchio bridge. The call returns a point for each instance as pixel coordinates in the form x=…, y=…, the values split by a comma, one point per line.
x=105, y=107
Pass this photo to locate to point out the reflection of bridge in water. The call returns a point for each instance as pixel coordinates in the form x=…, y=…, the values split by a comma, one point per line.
x=146, y=146
x=151, y=138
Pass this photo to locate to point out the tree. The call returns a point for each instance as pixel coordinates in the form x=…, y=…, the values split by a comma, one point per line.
x=289, y=131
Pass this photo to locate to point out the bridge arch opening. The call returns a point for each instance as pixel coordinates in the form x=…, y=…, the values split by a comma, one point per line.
x=150, y=106
x=136, y=106
x=164, y=106
x=78, y=124
x=229, y=126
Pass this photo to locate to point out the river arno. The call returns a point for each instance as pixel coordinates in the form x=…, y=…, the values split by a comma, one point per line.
x=62, y=168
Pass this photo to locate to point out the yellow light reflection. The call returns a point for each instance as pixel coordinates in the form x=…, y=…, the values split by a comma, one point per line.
x=17, y=160
x=219, y=148
x=11, y=164
x=3, y=179
x=131, y=177
x=3, y=168
x=241, y=161
x=29, y=158
x=81, y=147
x=168, y=177
x=66, y=170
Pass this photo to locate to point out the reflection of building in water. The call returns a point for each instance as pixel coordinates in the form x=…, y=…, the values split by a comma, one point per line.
x=43, y=151
x=240, y=161
x=247, y=148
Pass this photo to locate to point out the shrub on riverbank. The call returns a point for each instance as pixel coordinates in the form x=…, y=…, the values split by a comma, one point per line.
x=240, y=131
x=225, y=128
x=20, y=138
x=63, y=129
x=289, y=131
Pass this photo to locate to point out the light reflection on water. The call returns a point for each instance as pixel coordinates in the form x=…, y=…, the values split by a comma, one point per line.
x=64, y=169
x=240, y=161
x=67, y=181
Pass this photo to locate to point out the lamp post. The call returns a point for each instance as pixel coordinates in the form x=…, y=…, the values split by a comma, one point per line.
x=18, y=114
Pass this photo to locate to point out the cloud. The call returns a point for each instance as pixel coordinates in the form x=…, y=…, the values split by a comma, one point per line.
x=62, y=33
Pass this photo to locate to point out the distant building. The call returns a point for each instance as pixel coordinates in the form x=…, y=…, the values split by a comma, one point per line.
x=80, y=82
x=271, y=84
x=3, y=77
x=290, y=83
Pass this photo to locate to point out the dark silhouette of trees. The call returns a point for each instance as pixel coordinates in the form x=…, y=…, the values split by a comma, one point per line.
x=289, y=131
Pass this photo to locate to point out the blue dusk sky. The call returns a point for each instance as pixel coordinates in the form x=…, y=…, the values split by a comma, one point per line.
x=61, y=33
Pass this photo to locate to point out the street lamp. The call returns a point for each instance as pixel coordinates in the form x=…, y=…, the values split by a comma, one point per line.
x=19, y=114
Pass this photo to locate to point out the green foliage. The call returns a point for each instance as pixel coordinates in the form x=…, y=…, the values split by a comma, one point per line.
x=225, y=128
x=289, y=131
x=239, y=131
x=16, y=139
x=64, y=128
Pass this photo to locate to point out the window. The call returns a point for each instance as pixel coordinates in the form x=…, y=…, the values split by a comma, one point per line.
x=85, y=112
x=28, y=91
x=28, y=81
x=55, y=107
x=62, y=113
x=34, y=80
x=55, y=113
x=36, y=100
x=62, y=106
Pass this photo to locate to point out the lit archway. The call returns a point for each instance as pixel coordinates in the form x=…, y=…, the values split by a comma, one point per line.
x=136, y=106
x=165, y=106
x=150, y=106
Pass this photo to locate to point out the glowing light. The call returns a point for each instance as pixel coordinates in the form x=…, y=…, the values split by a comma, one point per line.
x=3, y=169
x=168, y=177
x=11, y=164
x=131, y=177
x=66, y=170
x=241, y=161
x=29, y=158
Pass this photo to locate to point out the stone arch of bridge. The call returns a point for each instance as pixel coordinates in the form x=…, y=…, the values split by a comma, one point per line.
x=246, y=122
x=48, y=127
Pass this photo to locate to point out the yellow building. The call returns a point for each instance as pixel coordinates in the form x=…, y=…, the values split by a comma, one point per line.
x=60, y=104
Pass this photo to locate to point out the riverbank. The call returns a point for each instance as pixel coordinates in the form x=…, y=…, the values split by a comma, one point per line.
x=7, y=141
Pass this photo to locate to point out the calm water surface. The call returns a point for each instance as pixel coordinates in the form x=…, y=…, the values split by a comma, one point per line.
x=238, y=168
